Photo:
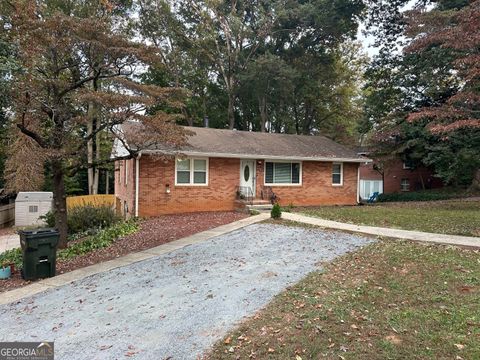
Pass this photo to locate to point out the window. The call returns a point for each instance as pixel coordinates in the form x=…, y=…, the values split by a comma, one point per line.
x=337, y=174
x=191, y=172
x=405, y=185
x=282, y=173
x=33, y=209
x=408, y=165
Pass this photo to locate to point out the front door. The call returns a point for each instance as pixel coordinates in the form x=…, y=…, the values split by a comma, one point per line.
x=247, y=177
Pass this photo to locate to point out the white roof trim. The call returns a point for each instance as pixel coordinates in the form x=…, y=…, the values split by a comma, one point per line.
x=265, y=157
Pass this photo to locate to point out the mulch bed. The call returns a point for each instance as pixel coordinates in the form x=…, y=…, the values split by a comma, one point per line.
x=153, y=232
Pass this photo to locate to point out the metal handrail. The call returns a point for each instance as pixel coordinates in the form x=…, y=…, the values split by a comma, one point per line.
x=245, y=193
x=268, y=194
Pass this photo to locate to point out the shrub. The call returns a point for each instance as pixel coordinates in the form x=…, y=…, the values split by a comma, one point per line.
x=276, y=212
x=100, y=240
x=426, y=195
x=49, y=219
x=85, y=218
x=254, y=212
x=12, y=256
x=81, y=219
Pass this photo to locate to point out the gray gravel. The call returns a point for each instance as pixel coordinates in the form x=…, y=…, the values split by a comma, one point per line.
x=175, y=305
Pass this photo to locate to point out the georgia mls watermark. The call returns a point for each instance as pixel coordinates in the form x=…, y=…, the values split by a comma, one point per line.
x=26, y=350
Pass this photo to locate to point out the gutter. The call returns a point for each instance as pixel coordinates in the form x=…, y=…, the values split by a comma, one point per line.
x=137, y=179
x=255, y=157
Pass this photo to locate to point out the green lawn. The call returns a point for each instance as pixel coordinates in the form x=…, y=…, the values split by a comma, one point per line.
x=454, y=217
x=390, y=300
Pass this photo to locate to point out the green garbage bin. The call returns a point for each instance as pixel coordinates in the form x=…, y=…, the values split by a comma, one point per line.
x=39, y=249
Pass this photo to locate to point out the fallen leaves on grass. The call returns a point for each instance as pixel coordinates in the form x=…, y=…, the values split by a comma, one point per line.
x=365, y=305
x=394, y=339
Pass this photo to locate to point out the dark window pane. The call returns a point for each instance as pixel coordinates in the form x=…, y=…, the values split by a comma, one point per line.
x=183, y=177
x=199, y=177
x=283, y=173
x=336, y=179
x=295, y=173
x=337, y=168
x=269, y=173
x=246, y=173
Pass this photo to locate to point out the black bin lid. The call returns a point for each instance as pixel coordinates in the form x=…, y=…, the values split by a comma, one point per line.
x=41, y=232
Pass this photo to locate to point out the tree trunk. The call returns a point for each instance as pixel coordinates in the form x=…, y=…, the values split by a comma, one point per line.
x=476, y=181
x=231, y=111
x=262, y=106
x=422, y=182
x=96, y=172
x=297, y=121
x=60, y=202
x=93, y=146
x=90, y=149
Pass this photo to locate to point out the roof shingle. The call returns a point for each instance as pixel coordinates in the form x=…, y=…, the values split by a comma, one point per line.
x=235, y=143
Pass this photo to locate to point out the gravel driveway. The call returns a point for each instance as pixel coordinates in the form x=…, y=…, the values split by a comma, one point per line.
x=175, y=305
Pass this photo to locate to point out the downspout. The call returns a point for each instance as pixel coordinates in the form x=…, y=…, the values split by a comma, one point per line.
x=137, y=179
x=358, y=184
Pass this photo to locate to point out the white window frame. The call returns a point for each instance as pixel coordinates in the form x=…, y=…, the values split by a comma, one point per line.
x=32, y=207
x=300, y=174
x=341, y=174
x=408, y=185
x=406, y=166
x=192, y=170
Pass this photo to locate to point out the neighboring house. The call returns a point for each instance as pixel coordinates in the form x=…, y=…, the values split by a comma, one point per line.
x=219, y=168
x=393, y=177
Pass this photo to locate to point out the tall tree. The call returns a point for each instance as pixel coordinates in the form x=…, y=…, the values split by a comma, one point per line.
x=455, y=27
x=53, y=91
x=228, y=34
x=421, y=102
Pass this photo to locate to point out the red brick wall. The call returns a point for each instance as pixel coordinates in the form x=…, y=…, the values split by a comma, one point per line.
x=394, y=173
x=220, y=193
x=316, y=188
x=125, y=190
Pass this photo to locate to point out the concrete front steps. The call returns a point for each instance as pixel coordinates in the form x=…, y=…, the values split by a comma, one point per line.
x=259, y=205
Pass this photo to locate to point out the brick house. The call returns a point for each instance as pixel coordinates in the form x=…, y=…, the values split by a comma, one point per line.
x=219, y=170
x=397, y=176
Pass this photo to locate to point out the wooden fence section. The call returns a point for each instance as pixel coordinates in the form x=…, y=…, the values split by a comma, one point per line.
x=92, y=200
x=7, y=215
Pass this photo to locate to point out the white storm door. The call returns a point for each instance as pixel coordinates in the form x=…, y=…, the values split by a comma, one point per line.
x=247, y=177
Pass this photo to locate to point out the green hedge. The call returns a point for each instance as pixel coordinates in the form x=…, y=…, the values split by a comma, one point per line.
x=427, y=195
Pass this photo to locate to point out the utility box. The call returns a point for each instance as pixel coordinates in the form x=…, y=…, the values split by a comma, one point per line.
x=39, y=248
x=29, y=206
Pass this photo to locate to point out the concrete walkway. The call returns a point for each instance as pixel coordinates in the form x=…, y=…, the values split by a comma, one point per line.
x=464, y=241
x=9, y=242
x=60, y=280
